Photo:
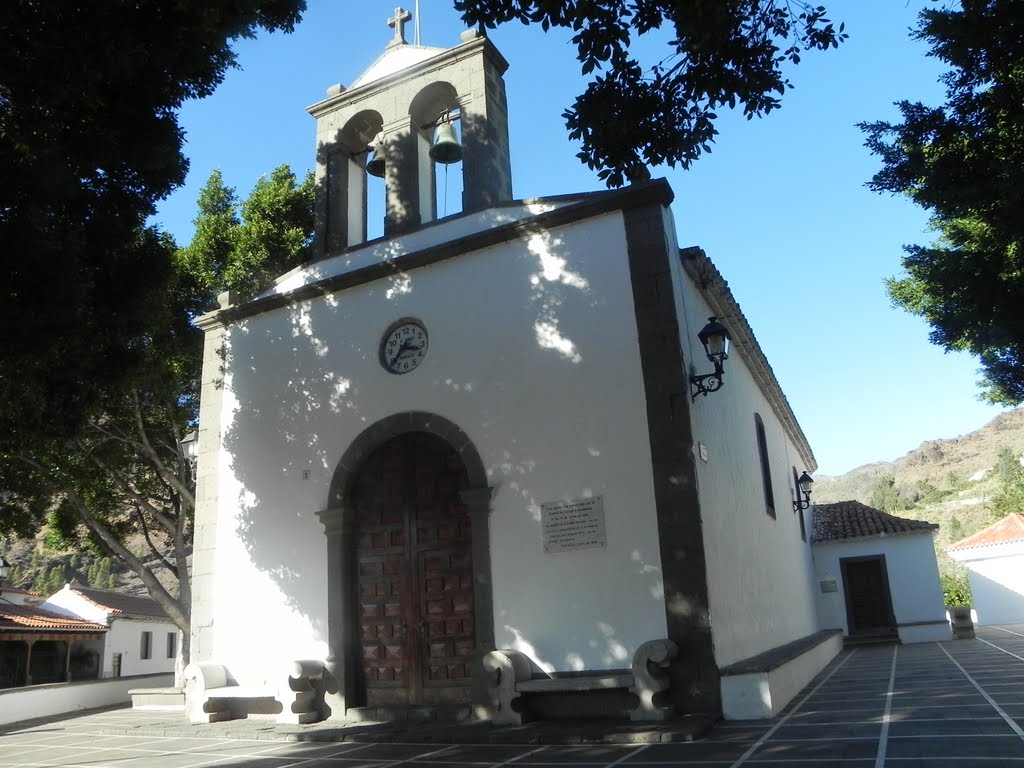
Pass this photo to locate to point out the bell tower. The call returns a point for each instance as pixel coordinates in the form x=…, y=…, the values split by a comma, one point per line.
x=387, y=119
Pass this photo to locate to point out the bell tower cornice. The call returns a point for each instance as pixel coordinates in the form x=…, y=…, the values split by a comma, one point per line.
x=443, y=58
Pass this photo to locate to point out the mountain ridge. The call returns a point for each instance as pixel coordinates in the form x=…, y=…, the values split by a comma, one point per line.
x=969, y=456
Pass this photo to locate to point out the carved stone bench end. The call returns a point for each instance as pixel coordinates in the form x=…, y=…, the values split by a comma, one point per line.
x=302, y=693
x=502, y=670
x=651, y=680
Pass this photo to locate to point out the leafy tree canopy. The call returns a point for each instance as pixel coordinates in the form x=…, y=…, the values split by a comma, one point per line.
x=721, y=54
x=887, y=497
x=242, y=247
x=1009, y=497
x=120, y=477
x=963, y=162
x=89, y=142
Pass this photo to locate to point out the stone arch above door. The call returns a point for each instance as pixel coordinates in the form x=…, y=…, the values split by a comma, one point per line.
x=379, y=433
x=338, y=521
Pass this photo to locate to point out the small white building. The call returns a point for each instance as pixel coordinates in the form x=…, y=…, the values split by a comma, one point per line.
x=994, y=558
x=142, y=639
x=876, y=574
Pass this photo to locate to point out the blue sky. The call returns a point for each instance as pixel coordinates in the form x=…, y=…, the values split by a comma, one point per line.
x=780, y=205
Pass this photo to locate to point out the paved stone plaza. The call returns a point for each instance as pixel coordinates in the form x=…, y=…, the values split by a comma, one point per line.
x=957, y=705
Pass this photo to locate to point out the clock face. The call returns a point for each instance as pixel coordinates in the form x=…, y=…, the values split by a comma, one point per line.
x=404, y=347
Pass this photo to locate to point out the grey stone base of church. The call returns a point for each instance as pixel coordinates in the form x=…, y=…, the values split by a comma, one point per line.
x=591, y=705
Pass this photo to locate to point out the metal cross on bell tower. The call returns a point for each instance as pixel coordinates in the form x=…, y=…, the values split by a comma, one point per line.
x=398, y=22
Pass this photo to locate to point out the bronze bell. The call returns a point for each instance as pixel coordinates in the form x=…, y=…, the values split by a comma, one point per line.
x=375, y=165
x=446, y=148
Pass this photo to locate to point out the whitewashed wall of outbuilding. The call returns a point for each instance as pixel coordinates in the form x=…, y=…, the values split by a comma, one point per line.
x=124, y=635
x=913, y=582
x=997, y=582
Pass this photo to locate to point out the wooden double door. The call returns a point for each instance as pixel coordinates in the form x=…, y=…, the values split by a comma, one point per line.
x=415, y=573
x=868, y=600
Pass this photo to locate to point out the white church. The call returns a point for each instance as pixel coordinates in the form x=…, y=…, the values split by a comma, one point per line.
x=486, y=460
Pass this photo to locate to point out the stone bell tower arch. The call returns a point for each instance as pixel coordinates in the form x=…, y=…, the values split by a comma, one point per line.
x=397, y=101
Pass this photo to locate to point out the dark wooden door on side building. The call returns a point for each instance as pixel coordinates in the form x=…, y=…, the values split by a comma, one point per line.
x=868, y=599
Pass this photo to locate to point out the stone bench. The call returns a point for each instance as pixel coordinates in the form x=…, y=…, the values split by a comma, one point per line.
x=759, y=687
x=509, y=676
x=212, y=694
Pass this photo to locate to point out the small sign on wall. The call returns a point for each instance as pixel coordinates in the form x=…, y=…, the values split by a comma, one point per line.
x=570, y=525
x=829, y=585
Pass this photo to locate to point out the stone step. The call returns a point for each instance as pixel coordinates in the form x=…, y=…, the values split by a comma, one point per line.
x=158, y=699
x=875, y=638
x=388, y=713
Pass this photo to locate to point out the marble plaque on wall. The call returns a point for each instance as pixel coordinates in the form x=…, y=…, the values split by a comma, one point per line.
x=570, y=525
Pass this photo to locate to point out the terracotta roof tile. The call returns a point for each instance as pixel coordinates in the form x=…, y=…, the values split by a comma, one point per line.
x=1009, y=529
x=29, y=617
x=853, y=520
x=119, y=604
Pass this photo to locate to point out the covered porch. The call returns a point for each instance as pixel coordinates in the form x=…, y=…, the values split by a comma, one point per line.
x=38, y=647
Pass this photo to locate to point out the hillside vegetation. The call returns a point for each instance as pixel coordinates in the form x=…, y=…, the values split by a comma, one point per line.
x=44, y=569
x=963, y=484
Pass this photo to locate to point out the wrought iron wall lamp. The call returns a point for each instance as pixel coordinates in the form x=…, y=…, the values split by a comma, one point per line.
x=715, y=338
x=189, y=445
x=803, y=485
x=5, y=569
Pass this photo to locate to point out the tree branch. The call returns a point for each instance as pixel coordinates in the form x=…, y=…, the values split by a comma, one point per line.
x=170, y=477
x=124, y=485
x=153, y=547
x=176, y=609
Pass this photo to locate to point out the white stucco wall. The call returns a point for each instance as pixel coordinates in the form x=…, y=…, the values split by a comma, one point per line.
x=997, y=582
x=533, y=353
x=125, y=637
x=759, y=568
x=913, y=583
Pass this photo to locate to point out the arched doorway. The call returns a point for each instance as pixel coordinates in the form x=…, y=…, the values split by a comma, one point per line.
x=414, y=578
x=410, y=606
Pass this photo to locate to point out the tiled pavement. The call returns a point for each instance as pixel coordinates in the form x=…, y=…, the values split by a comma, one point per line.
x=950, y=705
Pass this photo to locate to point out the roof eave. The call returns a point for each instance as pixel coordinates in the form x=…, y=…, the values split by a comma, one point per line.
x=883, y=535
x=719, y=297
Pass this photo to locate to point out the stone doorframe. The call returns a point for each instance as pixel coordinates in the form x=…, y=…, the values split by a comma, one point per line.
x=338, y=521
